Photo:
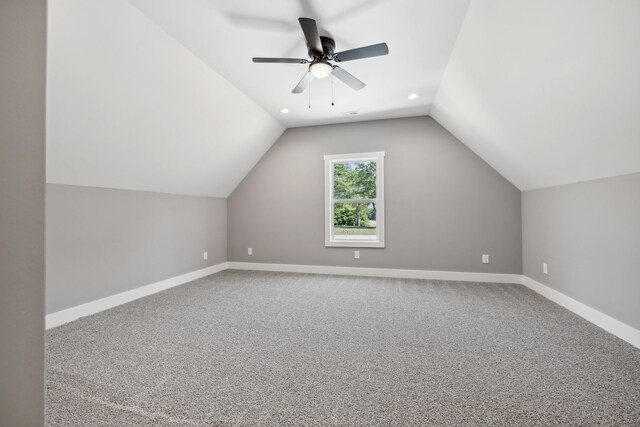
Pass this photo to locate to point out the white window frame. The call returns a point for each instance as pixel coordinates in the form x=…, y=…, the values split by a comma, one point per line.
x=329, y=161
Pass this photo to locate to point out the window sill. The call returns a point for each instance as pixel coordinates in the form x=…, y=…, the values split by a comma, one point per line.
x=354, y=244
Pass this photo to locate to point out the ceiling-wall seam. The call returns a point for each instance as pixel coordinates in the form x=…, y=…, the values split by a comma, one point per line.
x=199, y=59
x=453, y=47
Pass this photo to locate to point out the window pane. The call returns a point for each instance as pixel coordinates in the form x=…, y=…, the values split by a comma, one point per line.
x=354, y=221
x=354, y=180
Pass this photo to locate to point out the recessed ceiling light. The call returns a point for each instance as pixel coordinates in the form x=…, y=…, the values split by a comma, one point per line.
x=413, y=96
x=285, y=111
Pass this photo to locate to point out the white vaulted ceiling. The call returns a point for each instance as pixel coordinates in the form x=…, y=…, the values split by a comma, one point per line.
x=162, y=95
x=129, y=107
x=226, y=34
x=547, y=91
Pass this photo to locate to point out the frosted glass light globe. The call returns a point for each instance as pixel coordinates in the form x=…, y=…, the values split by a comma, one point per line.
x=320, y=69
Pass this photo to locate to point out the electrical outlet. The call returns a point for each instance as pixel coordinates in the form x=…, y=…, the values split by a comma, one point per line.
x=485, y=258
x=545, y=270
x=249, y=251
x=205, y=256
x=356, y=254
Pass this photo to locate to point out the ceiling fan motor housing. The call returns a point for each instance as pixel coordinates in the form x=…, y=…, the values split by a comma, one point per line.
x=328, y=45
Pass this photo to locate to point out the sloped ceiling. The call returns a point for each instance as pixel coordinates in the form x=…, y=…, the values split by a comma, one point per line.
x=161, y=95
x=131, y=108
x=226, y=34
x=547, y=91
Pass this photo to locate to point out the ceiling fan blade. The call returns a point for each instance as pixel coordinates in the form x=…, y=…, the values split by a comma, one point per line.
x=310, y=30
x=347, y=78
x=303, y=84
x=363, y=52
x=280, y=61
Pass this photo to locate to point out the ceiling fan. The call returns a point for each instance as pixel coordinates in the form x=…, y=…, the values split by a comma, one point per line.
x=321, y=51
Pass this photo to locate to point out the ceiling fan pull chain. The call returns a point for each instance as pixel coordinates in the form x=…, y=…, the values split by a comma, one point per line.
x=309, y=91
x=332, y=90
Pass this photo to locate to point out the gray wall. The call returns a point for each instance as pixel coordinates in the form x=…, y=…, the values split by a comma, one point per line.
x=589, y=235
x=22, y=164
x=445, y=207
x=102, y=241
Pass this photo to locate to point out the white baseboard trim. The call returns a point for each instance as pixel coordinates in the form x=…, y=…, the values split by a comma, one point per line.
x=608, y=323
x=64, y=316
x=380, y=272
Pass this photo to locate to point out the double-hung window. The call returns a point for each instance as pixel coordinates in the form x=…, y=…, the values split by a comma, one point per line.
x=354, y=200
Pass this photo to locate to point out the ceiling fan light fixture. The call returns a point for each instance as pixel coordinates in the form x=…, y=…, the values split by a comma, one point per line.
x=320, y=69
x=321, y=51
